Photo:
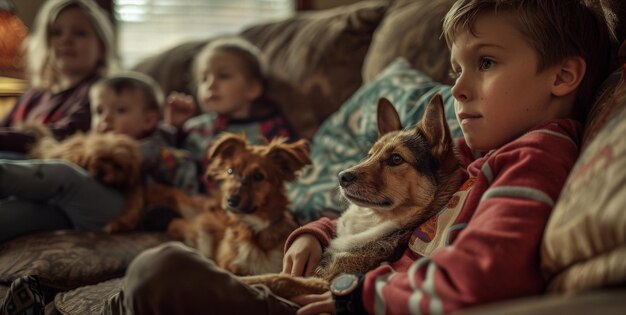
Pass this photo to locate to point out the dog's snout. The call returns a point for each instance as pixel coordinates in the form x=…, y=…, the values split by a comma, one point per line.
x=233, y=200
x=346, y=178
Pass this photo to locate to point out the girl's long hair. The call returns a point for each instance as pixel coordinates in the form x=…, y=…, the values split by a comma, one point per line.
x=37, y=46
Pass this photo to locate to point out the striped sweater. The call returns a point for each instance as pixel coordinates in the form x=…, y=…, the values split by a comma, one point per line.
x=484, y=246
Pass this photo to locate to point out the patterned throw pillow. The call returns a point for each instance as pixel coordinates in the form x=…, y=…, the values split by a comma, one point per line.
x=584, y=242
x=345, y=137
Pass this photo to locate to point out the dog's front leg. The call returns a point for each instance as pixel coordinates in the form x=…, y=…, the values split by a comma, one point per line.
x=131, y=214
x=287, y=286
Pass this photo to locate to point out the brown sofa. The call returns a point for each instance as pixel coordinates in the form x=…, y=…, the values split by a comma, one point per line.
x=317, y=60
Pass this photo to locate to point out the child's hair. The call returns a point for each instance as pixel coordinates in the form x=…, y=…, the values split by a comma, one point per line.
x=556, y=29
x=37, y=45
x=250, y=56
x=134, y=81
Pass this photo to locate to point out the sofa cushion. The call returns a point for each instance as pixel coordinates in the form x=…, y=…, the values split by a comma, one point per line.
x=345, y=137
x=89, y=299
x=314, y=59
x=411, y=29
x=68, y=259
x=583, y=245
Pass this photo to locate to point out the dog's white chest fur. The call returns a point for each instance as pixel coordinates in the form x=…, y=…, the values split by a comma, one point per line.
x=358, y=226
x=257, y=261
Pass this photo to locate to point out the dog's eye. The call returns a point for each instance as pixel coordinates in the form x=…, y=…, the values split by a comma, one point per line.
x=230, y=171
x=258, y=176
x=395, y=159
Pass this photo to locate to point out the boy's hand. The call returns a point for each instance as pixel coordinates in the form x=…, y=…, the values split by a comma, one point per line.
x=303, y=256
x=315, y=304
x=178, y=109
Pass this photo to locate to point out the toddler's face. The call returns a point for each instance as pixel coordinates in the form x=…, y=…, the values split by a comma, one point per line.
x=225, y=87
x=122, y=113
x=75, y=46
x=499, y=94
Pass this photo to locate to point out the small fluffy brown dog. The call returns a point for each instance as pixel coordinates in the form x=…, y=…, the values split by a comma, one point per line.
x=112, y=159
x=246, y=230
x=408, y=176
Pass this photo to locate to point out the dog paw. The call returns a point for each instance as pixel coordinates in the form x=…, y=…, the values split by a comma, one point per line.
x=287, y=286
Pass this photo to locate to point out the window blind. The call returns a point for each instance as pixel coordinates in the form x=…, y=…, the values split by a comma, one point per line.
x=146, y=27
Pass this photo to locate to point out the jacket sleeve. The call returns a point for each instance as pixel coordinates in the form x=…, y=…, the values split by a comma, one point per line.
x=496, y=255
x=323, y=229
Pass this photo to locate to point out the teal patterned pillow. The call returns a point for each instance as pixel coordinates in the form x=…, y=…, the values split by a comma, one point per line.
x=345, y=137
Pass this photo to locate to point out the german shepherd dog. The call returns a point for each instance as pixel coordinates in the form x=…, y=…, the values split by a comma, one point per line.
x=246, y=231
x=408, y=176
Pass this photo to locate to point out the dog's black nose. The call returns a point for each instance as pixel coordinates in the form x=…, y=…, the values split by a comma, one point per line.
x=346, y=178
x=233, y=200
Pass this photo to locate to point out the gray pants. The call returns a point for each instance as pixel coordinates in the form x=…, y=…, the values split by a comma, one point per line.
x=38, y=195
x=175, y=279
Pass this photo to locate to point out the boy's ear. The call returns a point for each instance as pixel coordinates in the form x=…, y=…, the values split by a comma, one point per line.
x=569, y=75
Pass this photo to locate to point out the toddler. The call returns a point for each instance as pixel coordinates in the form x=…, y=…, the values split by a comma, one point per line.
x=230, y=85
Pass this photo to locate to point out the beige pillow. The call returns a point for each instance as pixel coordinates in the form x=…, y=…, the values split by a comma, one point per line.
x=583, y=246
x=412, y=29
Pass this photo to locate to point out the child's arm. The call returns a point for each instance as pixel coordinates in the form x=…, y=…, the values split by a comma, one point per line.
x=179, y=108
x=169, y=166
x=304, y=247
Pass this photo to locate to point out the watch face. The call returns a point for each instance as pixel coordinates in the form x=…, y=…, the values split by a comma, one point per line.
x=344, y=284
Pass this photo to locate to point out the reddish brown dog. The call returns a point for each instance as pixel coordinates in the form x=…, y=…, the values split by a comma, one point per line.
x=246, y=230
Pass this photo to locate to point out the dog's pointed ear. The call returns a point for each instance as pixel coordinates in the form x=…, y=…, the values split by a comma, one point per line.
x=226, y=145
x=289, y=157
x=224, y=148
x=434, y=126
x=388, y=118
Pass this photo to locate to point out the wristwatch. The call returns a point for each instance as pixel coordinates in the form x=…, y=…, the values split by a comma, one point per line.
x=346, y=291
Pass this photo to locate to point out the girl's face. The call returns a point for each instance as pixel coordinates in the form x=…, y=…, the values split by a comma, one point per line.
x=225, y=87
x=76, y=49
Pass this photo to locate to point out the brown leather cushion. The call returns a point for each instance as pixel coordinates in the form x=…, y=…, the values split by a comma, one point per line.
x=68, y=259
x=411, y=29
x=315, y=59
x=88, y=299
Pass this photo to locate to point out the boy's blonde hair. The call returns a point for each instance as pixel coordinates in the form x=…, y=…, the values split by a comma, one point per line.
x=38, y=49
x=556, y=29
x=133, y=81
x=250, y=56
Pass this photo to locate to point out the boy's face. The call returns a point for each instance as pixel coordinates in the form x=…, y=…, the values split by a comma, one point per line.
x=225, y=87
x=499, y=95
x=123, y=113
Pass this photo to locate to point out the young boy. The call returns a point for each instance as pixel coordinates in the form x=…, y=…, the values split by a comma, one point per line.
x=114, y=108
x=39, y=195
x=523, y=83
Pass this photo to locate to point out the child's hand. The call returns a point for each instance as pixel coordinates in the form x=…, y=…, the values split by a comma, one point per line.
x=303, y=256
x=179, y=108
x=315, y=304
